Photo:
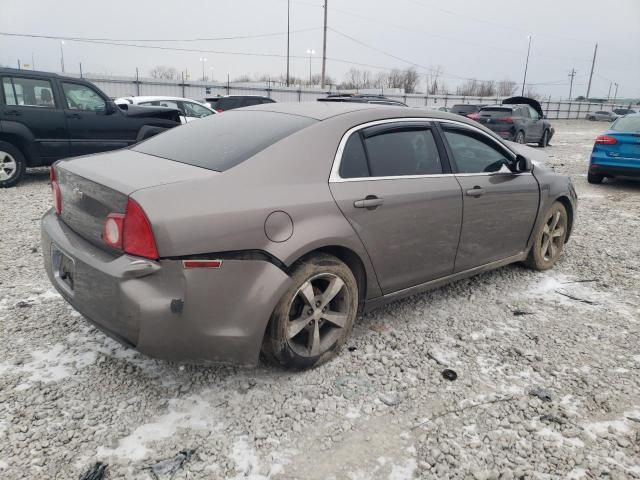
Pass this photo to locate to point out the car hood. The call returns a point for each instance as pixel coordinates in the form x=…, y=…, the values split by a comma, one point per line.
x=166, y=113
x=526, y=101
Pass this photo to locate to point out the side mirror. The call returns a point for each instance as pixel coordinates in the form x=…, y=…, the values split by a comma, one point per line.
x=110, y=108
x=523, y=164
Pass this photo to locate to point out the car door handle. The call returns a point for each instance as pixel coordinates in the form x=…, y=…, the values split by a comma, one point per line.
x=74, y=115
x=371, y=202
x=12, y=112
x=476, y=191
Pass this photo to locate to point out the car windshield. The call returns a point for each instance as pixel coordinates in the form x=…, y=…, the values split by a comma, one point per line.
x=220, y=142
x=627, y=124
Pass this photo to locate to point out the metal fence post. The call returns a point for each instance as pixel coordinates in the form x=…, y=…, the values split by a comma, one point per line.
x=579, y=106
x=138, y=83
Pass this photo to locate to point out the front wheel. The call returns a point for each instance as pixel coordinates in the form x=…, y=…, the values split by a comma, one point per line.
x=315, y=316
x=549, y=239
x=12, y=165
x=520, y=137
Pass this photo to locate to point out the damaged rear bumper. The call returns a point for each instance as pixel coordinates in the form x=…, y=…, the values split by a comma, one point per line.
x=160, y=308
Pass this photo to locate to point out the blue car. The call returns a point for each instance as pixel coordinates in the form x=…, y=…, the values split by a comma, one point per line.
x=616, y=153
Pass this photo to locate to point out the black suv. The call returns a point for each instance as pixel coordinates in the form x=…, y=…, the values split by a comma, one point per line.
x=519, y=119
x=361, y=98
x=45, y=117
x=220, y=104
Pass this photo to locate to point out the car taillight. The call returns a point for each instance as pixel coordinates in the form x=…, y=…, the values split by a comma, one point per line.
x=606, y=140
x=219, y=110
x=506, y=119
x=473, y=116
x=130, y=232
x=55, y=190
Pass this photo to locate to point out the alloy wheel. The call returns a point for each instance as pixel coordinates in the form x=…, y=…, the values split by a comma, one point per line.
x=317, y=314
x=8, y=166
x=552, y=237
x=520, y=137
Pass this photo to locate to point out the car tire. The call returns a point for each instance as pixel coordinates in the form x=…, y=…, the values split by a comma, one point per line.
x=594, y=178
x=315, y=317
x=520, y=137
x=544, y=141
x=549, y=238
x=12, y=165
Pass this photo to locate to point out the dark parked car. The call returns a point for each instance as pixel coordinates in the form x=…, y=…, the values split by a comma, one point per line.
x=45, y=117
x=465, y=109
x=519, y=119
x=362, y=98
x=291, y=219
x=623, y=111
x=229, y=102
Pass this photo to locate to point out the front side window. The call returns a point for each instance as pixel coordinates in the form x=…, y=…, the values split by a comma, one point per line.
x=403, y=152
x=473, y=154
x=535, y=115
x=81, y=97
x=160, y=103
x=195, y=110
x=29, y=92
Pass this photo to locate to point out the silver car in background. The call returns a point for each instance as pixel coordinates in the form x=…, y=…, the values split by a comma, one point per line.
x=268, y=229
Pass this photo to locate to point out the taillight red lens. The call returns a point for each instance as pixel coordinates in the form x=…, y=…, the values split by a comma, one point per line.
x=606, y=140
x=113, y=230
x=130, y=232
x=55, y=190
x=473, y=116
x=137, y=236
x=219, y=110
x=506, y=119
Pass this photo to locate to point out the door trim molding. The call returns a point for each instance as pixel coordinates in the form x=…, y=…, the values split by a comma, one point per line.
x=432, y=284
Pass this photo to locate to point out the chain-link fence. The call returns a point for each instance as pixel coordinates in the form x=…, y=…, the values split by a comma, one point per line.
x=198, y=90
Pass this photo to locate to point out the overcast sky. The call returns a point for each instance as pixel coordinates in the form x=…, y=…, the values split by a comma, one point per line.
x=485, y=39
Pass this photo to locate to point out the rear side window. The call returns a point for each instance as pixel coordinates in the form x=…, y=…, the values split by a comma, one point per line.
x=220, y=142
x=30, y=92
x=498, y=112
x=228, y=103
x=403, y=152
x=354, y=159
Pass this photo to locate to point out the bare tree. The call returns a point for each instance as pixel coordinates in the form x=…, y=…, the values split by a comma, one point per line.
x=410, y=80
x=486, y=88
x=531, y=92
x=506, y=88
x=433, y=80
x=164, y=73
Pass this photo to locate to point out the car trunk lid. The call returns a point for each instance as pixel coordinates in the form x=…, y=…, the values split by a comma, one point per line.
x=496, y=117
x=93, y=187
x=627, y=146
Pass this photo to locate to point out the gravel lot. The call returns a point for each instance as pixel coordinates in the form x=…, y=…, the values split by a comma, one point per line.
x=548, y=371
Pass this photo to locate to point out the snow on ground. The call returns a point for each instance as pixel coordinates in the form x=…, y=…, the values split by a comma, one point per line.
x=69, y=396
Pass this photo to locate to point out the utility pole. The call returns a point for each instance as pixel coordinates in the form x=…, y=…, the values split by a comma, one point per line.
x=62, y=55
x=593, y=64
x=615, y=95
x=572, y=74
x=526, y=66
x=324, y=47
x=288, y=18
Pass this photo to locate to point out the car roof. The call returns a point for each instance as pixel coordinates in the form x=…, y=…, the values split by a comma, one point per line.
x=234, y=96
x=326, y=110
x=39, y=73
x=150, y=98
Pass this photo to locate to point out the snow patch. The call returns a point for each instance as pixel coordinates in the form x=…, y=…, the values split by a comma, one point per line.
x=403, y=472
x=190, y=413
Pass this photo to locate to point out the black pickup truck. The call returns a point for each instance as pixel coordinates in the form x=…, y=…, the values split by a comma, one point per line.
x=45, y=117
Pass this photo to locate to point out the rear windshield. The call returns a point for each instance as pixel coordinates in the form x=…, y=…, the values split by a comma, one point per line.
x=464, y=108
x=627, y=124
x=495, y=112
x=220, y=142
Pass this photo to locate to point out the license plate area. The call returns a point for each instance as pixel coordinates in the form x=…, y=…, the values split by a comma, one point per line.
x=64, y=269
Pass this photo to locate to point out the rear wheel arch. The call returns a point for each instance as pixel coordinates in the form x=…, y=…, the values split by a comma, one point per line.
x=569, y=207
